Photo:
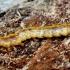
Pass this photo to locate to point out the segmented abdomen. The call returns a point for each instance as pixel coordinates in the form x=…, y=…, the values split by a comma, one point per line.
x=33, y=32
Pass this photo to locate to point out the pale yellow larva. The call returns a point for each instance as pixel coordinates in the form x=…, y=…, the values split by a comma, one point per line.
x=33, y=32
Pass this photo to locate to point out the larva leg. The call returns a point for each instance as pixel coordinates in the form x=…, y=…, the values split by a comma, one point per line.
x=8, y=49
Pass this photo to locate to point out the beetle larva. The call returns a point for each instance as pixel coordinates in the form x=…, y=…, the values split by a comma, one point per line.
x=33, y=32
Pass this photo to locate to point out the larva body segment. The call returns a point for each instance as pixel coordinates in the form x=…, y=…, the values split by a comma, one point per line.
x=60, y=31
x=32, y=32
x=48, y=33
x=38, y=33
x=41, y=33
x=64, y=31
x=5, y=42
x=29, y=34
x=56, y=32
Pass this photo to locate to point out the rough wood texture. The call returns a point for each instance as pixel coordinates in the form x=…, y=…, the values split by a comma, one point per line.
x=37, y=54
